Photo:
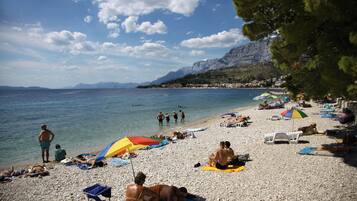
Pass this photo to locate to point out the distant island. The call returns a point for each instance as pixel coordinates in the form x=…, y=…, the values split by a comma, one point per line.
x=21, y=88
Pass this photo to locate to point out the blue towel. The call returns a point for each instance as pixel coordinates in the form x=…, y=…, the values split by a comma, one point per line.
x=307, y=151
x=162, y=143
x=117, y=162
x=83, y=166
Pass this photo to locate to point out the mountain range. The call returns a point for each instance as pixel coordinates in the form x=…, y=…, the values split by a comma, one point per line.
x=248, y=54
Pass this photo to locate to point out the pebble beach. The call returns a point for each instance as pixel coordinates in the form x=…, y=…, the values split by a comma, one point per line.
x=275, y=172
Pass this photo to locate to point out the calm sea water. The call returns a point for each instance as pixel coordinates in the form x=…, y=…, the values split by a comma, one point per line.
x=87, y=120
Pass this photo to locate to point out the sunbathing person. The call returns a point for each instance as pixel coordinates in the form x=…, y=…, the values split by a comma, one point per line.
x=169, y=193
x=309, y=130
x=213, y=156
x=91, y=162
x=220, y=159
x=136, y=191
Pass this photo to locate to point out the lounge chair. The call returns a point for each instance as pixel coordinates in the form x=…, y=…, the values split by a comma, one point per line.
x=292, y=137
x=94, y=191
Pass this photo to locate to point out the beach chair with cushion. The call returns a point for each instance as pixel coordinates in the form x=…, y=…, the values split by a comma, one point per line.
x=272, y=137
x=294, y=136
x=93, y=192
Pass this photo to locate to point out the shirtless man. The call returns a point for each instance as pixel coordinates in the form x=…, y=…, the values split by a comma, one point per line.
x=45, y=138
x=219, y=157
x=170, y=193
x=229, y=151
x=137, y=192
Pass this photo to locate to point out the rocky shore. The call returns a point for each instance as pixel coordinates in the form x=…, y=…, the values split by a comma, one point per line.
x=276, y=171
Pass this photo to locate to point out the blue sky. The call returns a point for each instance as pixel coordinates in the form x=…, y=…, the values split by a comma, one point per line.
x=57, y=44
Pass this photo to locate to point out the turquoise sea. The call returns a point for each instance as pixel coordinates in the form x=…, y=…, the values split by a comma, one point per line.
x=88, y=120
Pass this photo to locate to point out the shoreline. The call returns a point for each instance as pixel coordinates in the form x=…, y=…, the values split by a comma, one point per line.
x=201, y=122
x=272, y=167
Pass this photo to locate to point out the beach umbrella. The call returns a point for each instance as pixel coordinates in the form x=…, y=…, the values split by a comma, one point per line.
x=293, y=113
x=265, y=96
x=126, y=144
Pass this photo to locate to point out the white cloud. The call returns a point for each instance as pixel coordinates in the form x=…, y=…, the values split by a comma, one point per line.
x=102, y=58
x=88, y=19
x=110, y=8
x=197, y=53
x=130, y=25
x=17, y=28
x=219, y=40
x=149, y=49
x=64, y=37
x=114, y=29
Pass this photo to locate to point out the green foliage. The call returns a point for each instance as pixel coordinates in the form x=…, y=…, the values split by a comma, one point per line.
x=314, y=37
x=242, y=74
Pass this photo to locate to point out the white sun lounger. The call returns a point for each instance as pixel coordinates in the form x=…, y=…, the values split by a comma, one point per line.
x=292, y=137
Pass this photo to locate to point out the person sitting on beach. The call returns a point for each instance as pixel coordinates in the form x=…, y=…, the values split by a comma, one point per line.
x=229, y=151
x=168, y=193
x=60, y=154
x=160, y=117
x=167, y=117
x=137, y=191
x=217, y=156
x=45, y=138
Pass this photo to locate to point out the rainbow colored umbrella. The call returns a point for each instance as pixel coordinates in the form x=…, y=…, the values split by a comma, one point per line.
x=293, y=113
x=126, y=144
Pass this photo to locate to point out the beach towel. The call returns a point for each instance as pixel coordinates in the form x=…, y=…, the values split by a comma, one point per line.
x=118, y=162
x=308, y=151
x=230, y=169
x=162, y=143
x=83, y=166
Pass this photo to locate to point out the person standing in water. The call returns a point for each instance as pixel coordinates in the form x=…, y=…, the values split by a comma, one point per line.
x=167, y=116
x=182, y=115
x=175, y=116
x=45, y=138
x=160, y=118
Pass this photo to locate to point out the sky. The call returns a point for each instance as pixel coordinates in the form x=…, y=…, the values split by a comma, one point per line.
x=60, y=43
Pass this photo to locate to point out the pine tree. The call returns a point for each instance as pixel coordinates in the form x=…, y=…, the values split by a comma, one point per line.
x=316, y=41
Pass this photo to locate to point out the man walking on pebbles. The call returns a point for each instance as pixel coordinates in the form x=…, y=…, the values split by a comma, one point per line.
x=45, y=138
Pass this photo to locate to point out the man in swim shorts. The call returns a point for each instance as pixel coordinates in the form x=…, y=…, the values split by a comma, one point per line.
x=45, y=138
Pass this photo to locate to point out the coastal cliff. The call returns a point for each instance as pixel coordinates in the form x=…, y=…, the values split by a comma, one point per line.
x=250, y=54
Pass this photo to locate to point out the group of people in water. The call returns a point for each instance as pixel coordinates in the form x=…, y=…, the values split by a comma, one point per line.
x=161, y=117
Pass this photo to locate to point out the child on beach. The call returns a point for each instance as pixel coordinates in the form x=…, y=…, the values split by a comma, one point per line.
x=60, y=154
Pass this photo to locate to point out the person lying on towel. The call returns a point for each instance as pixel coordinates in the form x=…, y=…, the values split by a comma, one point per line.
x=167, y=192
